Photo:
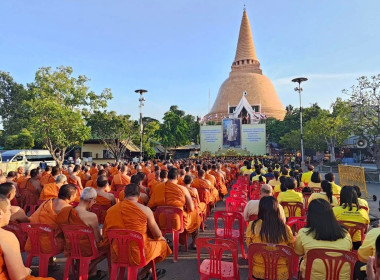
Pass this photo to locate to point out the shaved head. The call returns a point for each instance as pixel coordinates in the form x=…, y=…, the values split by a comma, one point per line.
x=4, y=202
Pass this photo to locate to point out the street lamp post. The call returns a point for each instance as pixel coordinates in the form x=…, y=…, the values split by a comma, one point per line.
x=142, y=100
x=299, y=89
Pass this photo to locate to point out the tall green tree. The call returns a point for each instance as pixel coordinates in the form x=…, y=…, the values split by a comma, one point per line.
x=364, y=98
x=173, y=131
x=23, y=140
x=113, y=130
x=13, y=110
x=59, y=104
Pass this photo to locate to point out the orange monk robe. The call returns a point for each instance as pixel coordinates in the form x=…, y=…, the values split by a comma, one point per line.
x=219, y=182
x=202, y=184
x=94, y=176
x=146, y=171
x=21, y=179
x=45, y=179
x=119, y=180
x=151, y=183
x=64, y=172
x=69, y=216
x=93, y=171
x=4, y=273
x=211, y=178
x=49, y=191
x=45, y=214
x=29, y=194
x=163, y=167
x=44, y=174
x=194, y=172
x=133, y=171
x=201, y=206
x=170, y=194
x=181, y=181
x=89, y=183
x=151, y=177
x=126, y=215
x=101, y=200
x=114, y=170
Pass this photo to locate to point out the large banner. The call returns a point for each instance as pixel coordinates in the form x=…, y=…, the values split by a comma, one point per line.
x=211, y=138
x=254, y=138
x=244, y=139
x=231, y=133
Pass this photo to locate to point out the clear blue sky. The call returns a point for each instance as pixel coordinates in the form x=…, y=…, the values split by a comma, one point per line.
x=177, y=50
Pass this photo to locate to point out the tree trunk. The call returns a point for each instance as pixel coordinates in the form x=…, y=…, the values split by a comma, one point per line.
x=332, y=153
x=166, y=152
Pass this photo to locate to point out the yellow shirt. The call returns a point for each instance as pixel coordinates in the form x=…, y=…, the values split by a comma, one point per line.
x=363, y=202
x=306, y=177
x=247, y=171
x=323, y=196
x=256, y=178
x=258, y=261
x=345, y=215
x=368, y=247
x=314, y=185
x=290, y=196
x=305, y=242
x=274, y=182
x=335, y=188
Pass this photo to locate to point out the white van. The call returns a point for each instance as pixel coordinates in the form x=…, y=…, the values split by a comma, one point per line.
x=29, y=159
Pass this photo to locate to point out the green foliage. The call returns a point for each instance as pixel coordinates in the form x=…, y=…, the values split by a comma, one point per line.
x=174, y=130
x=13, y=111
x=59, y=102
x=115, y=131
x=24, y=140
x=150, y=137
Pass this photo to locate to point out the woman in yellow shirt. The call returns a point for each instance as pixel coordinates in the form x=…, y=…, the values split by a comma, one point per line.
x=269, y=228
x=362, y=202
x=322, y=231
x=275, y=183
x=316, y=180
x=350, y=211
x=326, y=194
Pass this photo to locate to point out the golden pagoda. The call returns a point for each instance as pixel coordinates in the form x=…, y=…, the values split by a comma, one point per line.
x=246, y=79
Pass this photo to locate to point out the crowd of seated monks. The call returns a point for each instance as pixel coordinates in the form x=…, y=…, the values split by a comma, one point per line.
x=129, y=194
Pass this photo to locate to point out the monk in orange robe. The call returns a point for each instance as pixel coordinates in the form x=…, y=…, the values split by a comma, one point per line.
x=17, y=214
x=172, y=194
x=202, y=183
x=155, y=180
x=51, y=190
x=131, y=215
x=30, y=190
x=74, y=177
x=11, y=264
x=85, y=176
x=93, y=169
x=137, y=179
x=201, y=206
x=153, y=175
x=44, y=179
x=81, y=215
x=181, y=177
x=219, y=181
x=103, y=197
x=47, y=213
x=120, y=180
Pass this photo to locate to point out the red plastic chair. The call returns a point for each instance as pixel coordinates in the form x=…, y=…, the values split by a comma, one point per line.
x=235, y=205
x=75, y=234
x=34, y=231
x=306, y=197
x=333, y=261
x=17, y=230
x=30, y=209
x=292, y=208
x=239, y=188
x=271, y=253
x=100, y=211
x=354, y=227
x=238, y=195
x=227, y=231
x=296, y=223
x=170, y=213
x=127, y=239
x=214, y=267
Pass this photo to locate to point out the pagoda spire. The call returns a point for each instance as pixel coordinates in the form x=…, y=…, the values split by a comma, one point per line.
x=245, y=51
